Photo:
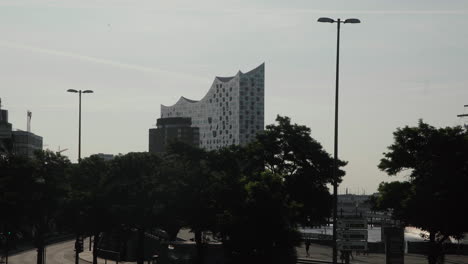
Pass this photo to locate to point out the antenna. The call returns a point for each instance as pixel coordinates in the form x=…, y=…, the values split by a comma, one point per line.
x=29, y=115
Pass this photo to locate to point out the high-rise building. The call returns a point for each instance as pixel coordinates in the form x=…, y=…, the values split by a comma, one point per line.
x=16, y=142
x=231, y=112
x=172, y=129
x=6, y=143
x=25, y=143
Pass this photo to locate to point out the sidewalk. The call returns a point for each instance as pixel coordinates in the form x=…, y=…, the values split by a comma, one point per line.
x=87, y=256
x=318, y=252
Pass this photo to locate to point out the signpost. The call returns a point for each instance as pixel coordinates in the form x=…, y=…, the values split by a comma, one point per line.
x=394, y=245
x=352, y=235
x=347, y=245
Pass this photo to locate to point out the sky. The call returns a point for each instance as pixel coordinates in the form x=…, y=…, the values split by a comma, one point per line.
x=407, y=60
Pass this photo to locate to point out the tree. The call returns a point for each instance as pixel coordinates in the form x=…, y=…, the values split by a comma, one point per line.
x=434, y=196
x=47, y=197
x=261, y=229
x=15, y=186
x=88, y=201
x=196, y=198
x=135, y=192
x=270, y=187
x=288, y=150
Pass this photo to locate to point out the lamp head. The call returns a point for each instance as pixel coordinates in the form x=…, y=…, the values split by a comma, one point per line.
x=87, y=91
x=326, y=20
x=72, y=91
x=352, y=21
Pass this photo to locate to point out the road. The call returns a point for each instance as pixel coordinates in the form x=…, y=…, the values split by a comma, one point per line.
x=60, y=253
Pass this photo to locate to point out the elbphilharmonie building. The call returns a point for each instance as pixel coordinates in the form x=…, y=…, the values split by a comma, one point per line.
x=231, y=112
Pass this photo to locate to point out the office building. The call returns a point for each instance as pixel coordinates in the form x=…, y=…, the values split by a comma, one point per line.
x=172, y=129
x=17, y=142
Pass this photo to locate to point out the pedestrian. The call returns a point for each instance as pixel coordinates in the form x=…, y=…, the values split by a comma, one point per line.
x=307, y=246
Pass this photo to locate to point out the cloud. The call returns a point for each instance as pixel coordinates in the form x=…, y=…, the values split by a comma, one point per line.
x=99, y=60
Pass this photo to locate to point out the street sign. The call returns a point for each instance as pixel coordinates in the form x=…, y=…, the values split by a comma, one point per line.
x=352, y=223
x=394, y=245
x=352, y=235
x=352, y=245
x=316, y=236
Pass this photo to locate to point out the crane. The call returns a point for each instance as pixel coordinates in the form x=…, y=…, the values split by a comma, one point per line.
x=464, y=115
x=61, y=150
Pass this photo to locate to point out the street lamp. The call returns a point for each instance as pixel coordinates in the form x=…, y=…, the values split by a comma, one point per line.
x=79, y=118
x=335, y=160
x=78, y=240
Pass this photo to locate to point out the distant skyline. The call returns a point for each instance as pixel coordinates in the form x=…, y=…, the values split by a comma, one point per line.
x=405, y=61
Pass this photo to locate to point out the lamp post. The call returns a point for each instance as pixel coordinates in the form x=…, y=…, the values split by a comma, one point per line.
x=77, y=241
x=335, y=160
x=79, y=118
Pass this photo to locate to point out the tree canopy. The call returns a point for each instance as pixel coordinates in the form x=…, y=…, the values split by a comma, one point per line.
x=252, y=198
x=436, y=164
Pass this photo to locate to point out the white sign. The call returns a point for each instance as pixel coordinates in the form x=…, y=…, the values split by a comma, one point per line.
x=353, y=235
x=352, y=245
x=316, y=236
x=359, y=223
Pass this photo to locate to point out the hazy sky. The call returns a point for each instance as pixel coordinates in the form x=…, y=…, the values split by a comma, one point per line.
x=406, y=60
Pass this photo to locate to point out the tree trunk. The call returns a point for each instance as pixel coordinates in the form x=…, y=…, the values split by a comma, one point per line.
x=40, y=253
x=141, y=246
x=95, y=247
x=39, y=244
x=199, y=244
x=432, y=254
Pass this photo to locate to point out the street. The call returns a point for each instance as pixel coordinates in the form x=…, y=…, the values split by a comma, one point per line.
x=60, y=253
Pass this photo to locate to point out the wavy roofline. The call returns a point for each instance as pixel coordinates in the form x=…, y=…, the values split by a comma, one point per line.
x=221, y=79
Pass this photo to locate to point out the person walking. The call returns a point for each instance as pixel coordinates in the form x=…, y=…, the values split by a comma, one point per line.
x=307, y=246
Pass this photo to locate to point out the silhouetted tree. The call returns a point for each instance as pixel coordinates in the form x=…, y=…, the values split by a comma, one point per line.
x=434, y=196
x=289, y=150
x=88, y=199
x=15, y=186
x=135, y=192
x=275, y=183
x=196, y=198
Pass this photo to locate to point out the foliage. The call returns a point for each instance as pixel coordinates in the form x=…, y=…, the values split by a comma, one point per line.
x=288, y=150
x=433, y=198
x=34, y=191
x=250, y=197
